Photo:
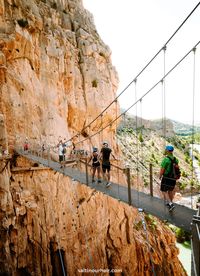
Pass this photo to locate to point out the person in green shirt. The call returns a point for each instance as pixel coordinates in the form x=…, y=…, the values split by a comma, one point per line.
x=168, y=182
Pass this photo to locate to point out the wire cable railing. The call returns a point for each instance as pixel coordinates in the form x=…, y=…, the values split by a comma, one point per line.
x=140, y=72
x=144, y=95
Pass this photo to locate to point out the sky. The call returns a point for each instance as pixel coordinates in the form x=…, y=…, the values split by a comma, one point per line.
x=135, y=30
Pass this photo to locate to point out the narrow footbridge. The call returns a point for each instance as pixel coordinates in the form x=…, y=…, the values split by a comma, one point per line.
x=181, y=216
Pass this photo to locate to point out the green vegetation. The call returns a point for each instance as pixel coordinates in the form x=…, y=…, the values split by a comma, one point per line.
x=140, y=137
x=54, y=6
x=151, y=221
x=181, y=235
x=143, y=145
x=94, y=83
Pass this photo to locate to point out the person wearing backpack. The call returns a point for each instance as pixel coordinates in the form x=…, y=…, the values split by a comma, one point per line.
x=60, y=153
x=169, y=173
x=64, y=149
x=95, y=164
x=105, y=154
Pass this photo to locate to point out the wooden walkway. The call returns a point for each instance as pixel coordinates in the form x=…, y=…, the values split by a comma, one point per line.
x=181, y=216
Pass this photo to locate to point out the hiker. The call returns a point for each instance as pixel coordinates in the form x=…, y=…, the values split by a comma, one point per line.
x=64, y=151
x=26, y=145
x=95, y=164
x=60, y=153
x=105, y=154
x=168, y=180
x=43, y=147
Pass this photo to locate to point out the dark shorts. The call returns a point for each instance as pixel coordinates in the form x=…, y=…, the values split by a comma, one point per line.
x=167, y=184
x=96, y=165
x=105, y=167
x=61, y=158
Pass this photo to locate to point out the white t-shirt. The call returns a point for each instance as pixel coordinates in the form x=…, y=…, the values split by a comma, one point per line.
x=60, y=149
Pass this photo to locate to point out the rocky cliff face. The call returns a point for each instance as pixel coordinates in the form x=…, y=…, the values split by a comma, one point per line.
x=46, y=217
x=55, y=77
x=55, y=71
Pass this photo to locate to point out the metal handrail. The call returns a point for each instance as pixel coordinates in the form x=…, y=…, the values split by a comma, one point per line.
x=195, y=245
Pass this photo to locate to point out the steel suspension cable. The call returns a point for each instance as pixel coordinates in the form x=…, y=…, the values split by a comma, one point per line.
x=57, y=239
x=116, y=114
x=193, y=115
x=84, y=231
x=137, y=147
x=141, y=143
x=145, y=94
x=164, y=95
x=147, y=240
x=144, y=68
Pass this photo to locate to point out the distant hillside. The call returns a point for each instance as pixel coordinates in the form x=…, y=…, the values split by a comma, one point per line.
x=172, y=127
x=130, y=121
x=146, y=146
x=184, y=129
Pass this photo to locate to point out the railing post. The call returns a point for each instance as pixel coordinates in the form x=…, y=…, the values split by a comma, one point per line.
x=48, y=156
x=195, y=245
x=86, y=171
x=129, y=185
x=151, y=178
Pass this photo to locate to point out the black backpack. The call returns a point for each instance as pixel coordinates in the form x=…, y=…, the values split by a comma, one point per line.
x=64, y=150
x=175, y=171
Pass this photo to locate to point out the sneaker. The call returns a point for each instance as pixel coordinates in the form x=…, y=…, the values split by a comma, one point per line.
x=108, y=184
x=93, y=180
x=99, y=181
x=171, y=207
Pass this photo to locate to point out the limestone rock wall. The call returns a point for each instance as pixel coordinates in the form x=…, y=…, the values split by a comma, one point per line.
x=56, y=73
x=45, y=215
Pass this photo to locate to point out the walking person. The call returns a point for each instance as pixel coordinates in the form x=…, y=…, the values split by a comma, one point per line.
x=64, y=145
x=26, y=145
x=167, y=176
x=60, y=153
x=105, y=154
x=95, y=164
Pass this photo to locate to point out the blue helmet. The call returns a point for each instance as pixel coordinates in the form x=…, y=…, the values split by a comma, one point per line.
x=169, y=148
x=95, y=149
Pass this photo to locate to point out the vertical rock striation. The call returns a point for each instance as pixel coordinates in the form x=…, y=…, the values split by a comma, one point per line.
x=55, y=71
x=56, y=75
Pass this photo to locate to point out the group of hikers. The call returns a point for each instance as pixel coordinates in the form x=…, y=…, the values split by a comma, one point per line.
x=103, y=156
x=99, y=160
x=169, y=168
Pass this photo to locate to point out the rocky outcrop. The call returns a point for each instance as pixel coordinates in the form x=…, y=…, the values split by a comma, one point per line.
x=3, y=136
x=50, y=218
x=56, y=73
x=55, y=77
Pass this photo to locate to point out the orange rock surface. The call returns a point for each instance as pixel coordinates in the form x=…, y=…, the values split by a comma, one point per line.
x=44, y=214
x=56, y=76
